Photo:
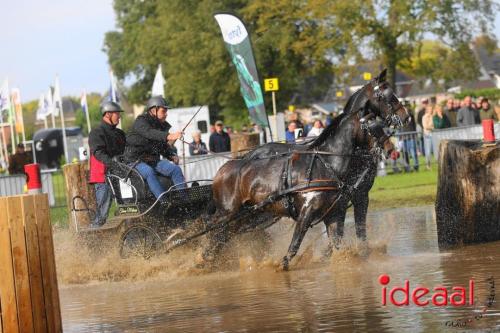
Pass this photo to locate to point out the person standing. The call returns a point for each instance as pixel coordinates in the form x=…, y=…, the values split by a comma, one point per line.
x=451, y=112
x=467, y=115
x=148, y=140
x=290, y=133
x=197, y=147
x=105, y=141
x=428, y=126
x=486, y=111
x=18, y=160
x=219, y=141
x=410, y=141
x=317, y=129
x=440, y=120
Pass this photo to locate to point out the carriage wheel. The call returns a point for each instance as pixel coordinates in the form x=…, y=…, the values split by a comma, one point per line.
x=140, y=241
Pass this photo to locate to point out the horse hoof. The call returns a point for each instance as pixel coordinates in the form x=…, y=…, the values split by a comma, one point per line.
x=284, y=265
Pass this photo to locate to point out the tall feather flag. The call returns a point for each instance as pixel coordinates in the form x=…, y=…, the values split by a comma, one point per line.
x=5, y=100
x=85, y=109
x=158, y=84
x=49, y=106
x=18, y=111
x=238, y=44
x=41, y=112
x=6, y=107
x=58, y=105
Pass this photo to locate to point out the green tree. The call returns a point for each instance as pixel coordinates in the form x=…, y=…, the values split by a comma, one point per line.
x=438, y=62
x=393, y=29
x=184, y=37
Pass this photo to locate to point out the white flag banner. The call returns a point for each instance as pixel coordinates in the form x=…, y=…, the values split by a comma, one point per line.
x=158, y=84
x=41, y=111
x=5, y=96
x=57, y=100
x=48, y=104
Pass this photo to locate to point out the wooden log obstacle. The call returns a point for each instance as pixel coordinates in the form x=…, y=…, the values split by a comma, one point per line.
x=80, y=196
x=468, y=193
x=29, y=296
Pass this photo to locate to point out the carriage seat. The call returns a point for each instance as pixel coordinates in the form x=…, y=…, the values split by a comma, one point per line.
x=128, y=185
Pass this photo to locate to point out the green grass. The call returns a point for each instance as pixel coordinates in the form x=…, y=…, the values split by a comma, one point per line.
x=405, y=189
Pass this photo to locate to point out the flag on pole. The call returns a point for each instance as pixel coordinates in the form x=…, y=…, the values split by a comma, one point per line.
x=48, y=103
x=85, y=109
x=158, y=83
x=59, y=106
x=18, y=110
x=238, y=44
x=57, y=100
x=41, y=111
x=113, y=90
x=83, y=103
x=5, y=101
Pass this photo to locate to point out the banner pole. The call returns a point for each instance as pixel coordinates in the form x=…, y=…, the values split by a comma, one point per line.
x=87, y=111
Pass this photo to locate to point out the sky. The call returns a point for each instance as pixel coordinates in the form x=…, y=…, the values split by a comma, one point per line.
x=42, y=38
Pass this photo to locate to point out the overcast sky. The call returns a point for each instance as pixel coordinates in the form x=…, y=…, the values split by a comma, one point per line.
x=42, y=38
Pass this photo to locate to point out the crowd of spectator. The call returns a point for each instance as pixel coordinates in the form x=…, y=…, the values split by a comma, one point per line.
x=430, y=117
x=415, y=138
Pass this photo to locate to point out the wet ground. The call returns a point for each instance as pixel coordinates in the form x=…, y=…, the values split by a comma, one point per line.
x=342, y=294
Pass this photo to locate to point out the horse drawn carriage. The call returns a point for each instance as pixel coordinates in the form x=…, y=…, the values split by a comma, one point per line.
x=311, y=183
x=143, y=224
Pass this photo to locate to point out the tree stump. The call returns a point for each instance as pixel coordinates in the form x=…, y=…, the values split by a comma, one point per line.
x=468, y=193
x=79, y=194
x=241, y=142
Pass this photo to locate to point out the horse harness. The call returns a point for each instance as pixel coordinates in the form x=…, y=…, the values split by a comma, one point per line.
x=286, y=187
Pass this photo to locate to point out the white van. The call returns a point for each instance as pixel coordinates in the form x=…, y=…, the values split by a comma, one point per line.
x=179, y=117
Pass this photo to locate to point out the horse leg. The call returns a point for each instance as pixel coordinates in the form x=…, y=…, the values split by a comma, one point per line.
x=302, y=224
x=360, y=202
x=335, y=228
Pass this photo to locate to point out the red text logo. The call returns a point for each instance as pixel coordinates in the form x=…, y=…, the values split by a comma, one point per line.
x=422, y=296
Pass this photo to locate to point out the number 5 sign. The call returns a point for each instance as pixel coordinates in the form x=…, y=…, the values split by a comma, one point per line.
x=271, y=84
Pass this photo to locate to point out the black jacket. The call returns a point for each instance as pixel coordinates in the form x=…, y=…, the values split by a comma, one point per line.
x=147, y=140
x=219, y=143
x=105, y=142
x=198, y=148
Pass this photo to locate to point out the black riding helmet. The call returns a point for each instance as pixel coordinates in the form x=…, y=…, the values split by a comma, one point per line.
x=156, y=102
x=110, y=107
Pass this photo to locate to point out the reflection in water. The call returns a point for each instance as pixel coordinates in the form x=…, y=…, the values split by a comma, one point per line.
x=341, y=295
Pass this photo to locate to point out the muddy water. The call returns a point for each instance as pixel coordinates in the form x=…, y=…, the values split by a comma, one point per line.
x=340, y=295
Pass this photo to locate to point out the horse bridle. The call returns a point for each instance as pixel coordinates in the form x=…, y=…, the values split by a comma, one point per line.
x=386, y=94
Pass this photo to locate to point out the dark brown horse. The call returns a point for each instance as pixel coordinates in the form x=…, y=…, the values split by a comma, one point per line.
x=306, y=182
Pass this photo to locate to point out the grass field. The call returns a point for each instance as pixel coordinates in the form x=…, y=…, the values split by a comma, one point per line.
x=407, y=189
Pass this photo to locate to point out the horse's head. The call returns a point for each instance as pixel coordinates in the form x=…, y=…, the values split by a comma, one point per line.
x=373, y=136
x=384, y=102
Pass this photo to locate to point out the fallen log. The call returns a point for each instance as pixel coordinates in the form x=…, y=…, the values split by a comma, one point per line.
x=468, y=193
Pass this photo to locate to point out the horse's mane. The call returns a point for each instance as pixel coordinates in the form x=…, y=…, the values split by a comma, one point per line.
x=332, y=128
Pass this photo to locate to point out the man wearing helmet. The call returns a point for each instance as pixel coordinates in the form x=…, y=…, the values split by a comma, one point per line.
x=105, y=141
x=148, y=140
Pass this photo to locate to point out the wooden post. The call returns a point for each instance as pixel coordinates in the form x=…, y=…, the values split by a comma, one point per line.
x=29, y=296
x=243, y=141
x=76, y=179
x=468, y=192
